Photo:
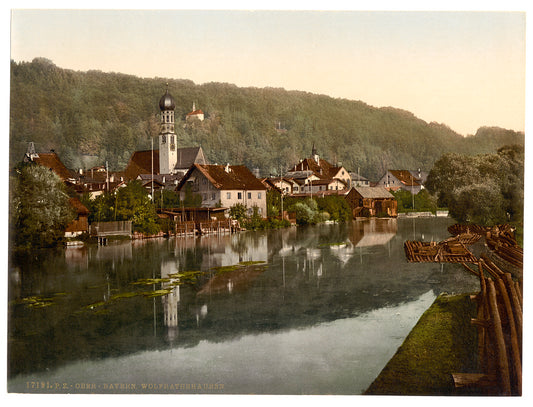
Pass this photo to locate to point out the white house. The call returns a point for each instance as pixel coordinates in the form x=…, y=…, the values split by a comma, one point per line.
x=225, y=186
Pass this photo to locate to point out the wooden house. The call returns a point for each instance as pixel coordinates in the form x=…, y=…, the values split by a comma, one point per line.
x=372, y=201
x=80, y=224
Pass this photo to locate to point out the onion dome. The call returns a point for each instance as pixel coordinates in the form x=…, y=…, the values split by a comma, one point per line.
x=167, y=102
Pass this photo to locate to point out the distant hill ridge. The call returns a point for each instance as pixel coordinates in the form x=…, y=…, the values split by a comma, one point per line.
x=92, y=117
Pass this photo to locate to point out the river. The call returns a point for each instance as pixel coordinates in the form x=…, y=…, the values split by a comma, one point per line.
x=303, y=310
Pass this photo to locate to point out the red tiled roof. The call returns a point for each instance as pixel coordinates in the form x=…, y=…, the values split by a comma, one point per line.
x=80, y=208
x=141, y=163
x=405, y=177
x=52, y=161
x=322, y=170
x=198, y=111
x=238, y=177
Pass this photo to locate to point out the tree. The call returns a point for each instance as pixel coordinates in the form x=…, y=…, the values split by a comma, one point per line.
x=191, y=200
x=336, y=206
x=485, y=189
x=128, y=203
x=133, y=203
x=238, y=212
x=481, y=204
x=40, y=208
x=165, y=198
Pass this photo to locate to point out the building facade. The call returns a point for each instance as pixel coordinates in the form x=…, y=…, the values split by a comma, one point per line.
x=224, y=186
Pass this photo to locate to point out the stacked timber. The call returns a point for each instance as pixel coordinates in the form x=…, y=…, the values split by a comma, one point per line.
x=458, y=229
x=448, y=251
x=469, y=234
x=499, y=303
x=502, y=242
x=499, y=324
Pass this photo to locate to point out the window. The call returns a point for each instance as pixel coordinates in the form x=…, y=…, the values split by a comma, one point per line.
x=259, y=195
x=228, y=195
x=213, y=197
x=296, y=189
x=249, y=195
x=239, y=195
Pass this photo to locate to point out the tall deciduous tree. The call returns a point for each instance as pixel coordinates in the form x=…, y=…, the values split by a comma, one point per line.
x=485, y=189
x=40, y=208
x=128, y=203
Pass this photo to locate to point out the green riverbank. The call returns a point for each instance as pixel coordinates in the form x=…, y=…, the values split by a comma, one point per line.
x=442, y=342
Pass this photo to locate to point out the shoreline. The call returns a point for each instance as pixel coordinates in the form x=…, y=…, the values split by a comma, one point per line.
x=442, y=342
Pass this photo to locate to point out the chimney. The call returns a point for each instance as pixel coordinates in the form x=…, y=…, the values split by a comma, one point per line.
x=227, y=169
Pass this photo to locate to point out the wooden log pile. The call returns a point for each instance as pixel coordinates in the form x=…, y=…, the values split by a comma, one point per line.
x=448, y=251
x=458, y=229
x=499, y=324
x=499, y=303
x=502, y=242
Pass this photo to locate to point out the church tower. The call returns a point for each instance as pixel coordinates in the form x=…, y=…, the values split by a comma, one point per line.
x=167, y=137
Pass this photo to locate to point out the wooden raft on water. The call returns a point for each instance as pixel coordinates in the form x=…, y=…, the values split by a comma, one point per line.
x=448, y=251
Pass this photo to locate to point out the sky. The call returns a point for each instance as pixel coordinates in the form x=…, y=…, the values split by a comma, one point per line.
x=463, y=69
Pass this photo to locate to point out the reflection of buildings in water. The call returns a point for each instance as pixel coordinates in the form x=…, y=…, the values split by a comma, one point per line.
x=201, y=313
x=242, y=247
x=232, y=281
x=172, y=299
x=313, y=263
x=343, y=252
x=117, y=252
x=373, y=232
x=76, y=258
x=225, y=250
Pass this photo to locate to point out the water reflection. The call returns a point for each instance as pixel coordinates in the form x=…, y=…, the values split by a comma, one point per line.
x=216, y=289
x=373, y=232
x=170, y=301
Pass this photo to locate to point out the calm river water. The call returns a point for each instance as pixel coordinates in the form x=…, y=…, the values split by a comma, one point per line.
x=307, y=310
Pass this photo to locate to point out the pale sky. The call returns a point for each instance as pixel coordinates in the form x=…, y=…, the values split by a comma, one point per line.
x=463, y=69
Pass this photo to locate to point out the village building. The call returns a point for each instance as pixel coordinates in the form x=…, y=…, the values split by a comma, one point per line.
x=315, y=174
x=80, y=224
x=358, y=180
x=195, y=114
x=401, y=179
x=420, y=175
x=167, y=159
x=225, y=186
x=51, y=161
x=372, y=201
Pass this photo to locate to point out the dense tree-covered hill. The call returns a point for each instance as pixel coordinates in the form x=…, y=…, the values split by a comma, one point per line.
x=92, y=117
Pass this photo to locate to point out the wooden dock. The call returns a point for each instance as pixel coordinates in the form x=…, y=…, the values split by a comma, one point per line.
x=103, y=230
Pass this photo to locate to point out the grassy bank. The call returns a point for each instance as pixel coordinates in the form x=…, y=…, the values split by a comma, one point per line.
x=442, y=342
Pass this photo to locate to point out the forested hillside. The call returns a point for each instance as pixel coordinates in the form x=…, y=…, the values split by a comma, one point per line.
x=92, y=117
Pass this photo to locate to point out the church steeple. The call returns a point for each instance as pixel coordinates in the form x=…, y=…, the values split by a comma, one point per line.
x=314, y=154
x=167, y=137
